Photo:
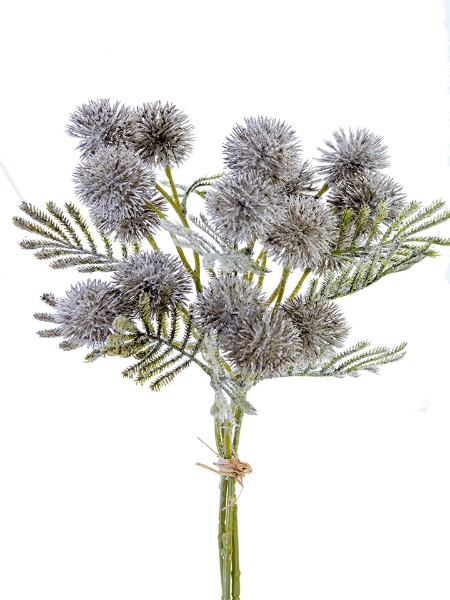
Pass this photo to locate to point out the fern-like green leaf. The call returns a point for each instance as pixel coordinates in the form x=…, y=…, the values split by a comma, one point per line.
x=49, y=318
x=167, y=378
x=157, y=350
x=58, y=238
x=62, y=219
x=351, y=362
x=40, y=217
x=35, y=228
x=76, y=215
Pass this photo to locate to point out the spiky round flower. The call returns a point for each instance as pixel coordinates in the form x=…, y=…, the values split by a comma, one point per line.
x=262, y=347
x=99, y=124
x=303, y=234
x=225, y=301
x=164, y=134
x=301, y=181
x=115, y=185
x=85, y=315
x=371, y=189
x=321, y=326
x=353, y=154
x=241, y=205
x=161, y=276
x=332, y=263
x=268, y=146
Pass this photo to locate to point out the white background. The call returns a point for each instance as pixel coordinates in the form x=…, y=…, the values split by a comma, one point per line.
x=100, y=498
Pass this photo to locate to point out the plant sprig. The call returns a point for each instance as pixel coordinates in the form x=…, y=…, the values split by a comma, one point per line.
x=59, y=240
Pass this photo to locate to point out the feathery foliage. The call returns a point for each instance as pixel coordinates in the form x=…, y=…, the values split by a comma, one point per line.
x=341, y=364
x=159, y=354
x=59, y=240
x=398, y=249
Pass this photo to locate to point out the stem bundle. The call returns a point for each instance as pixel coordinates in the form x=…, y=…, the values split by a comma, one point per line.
x=227, y=441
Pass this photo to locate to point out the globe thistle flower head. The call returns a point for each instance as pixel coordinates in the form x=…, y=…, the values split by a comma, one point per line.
x=262, y=347
x=356, y=153
x=301, y=181
x=303, y=234
x=115, y=185
x=241, y=205
x=161, y=276
x=86, y=314
x=331, y=263
x=164, y=134
x=225, y=301
x=131, y=229
x=370, y=188
x=265, y=145
x=99, y=124
x=321, y=326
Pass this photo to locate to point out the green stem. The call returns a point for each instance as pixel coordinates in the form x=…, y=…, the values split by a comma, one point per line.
x=228, y=541
x=273, y=295
x=172, y=184
x=322, y=190
x=219, y=437
x=299, y=284
x=282, y=286
x=222, y=533
x=238, y=415
x=151, y=241
x=176, y=207
x=189, y=269
x=156, y=210
x=227, y=438
x=263, y=257
x=235, y=569
x=173, y=204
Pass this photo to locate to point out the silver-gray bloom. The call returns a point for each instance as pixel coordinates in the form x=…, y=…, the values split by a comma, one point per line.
x=116, y=185
x=369, y=188
x=225, y=301
x=262, y=347
x=85, y=315
x=332, y=263
x=242, y=205
x=303, y=234
x=321, y=326
x=161, y=276
x=302, y=181
x=164, y=134
x=99, y=124
x=268, y=146
x=353, y=154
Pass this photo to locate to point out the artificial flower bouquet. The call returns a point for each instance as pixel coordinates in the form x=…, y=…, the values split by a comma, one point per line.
x=330, y=228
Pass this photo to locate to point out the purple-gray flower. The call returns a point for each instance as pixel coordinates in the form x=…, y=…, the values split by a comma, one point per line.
x=265, y=145
x=85, y=315
x=262, y=347
x=242, y=205
x=302, y=181
x=353, y=154
x=225, y=301
x=116, y=185
x=161, y=276
x=99, y=124
x=321, y=326
x=164, y=134
x=303, y=234
x=369, y=188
